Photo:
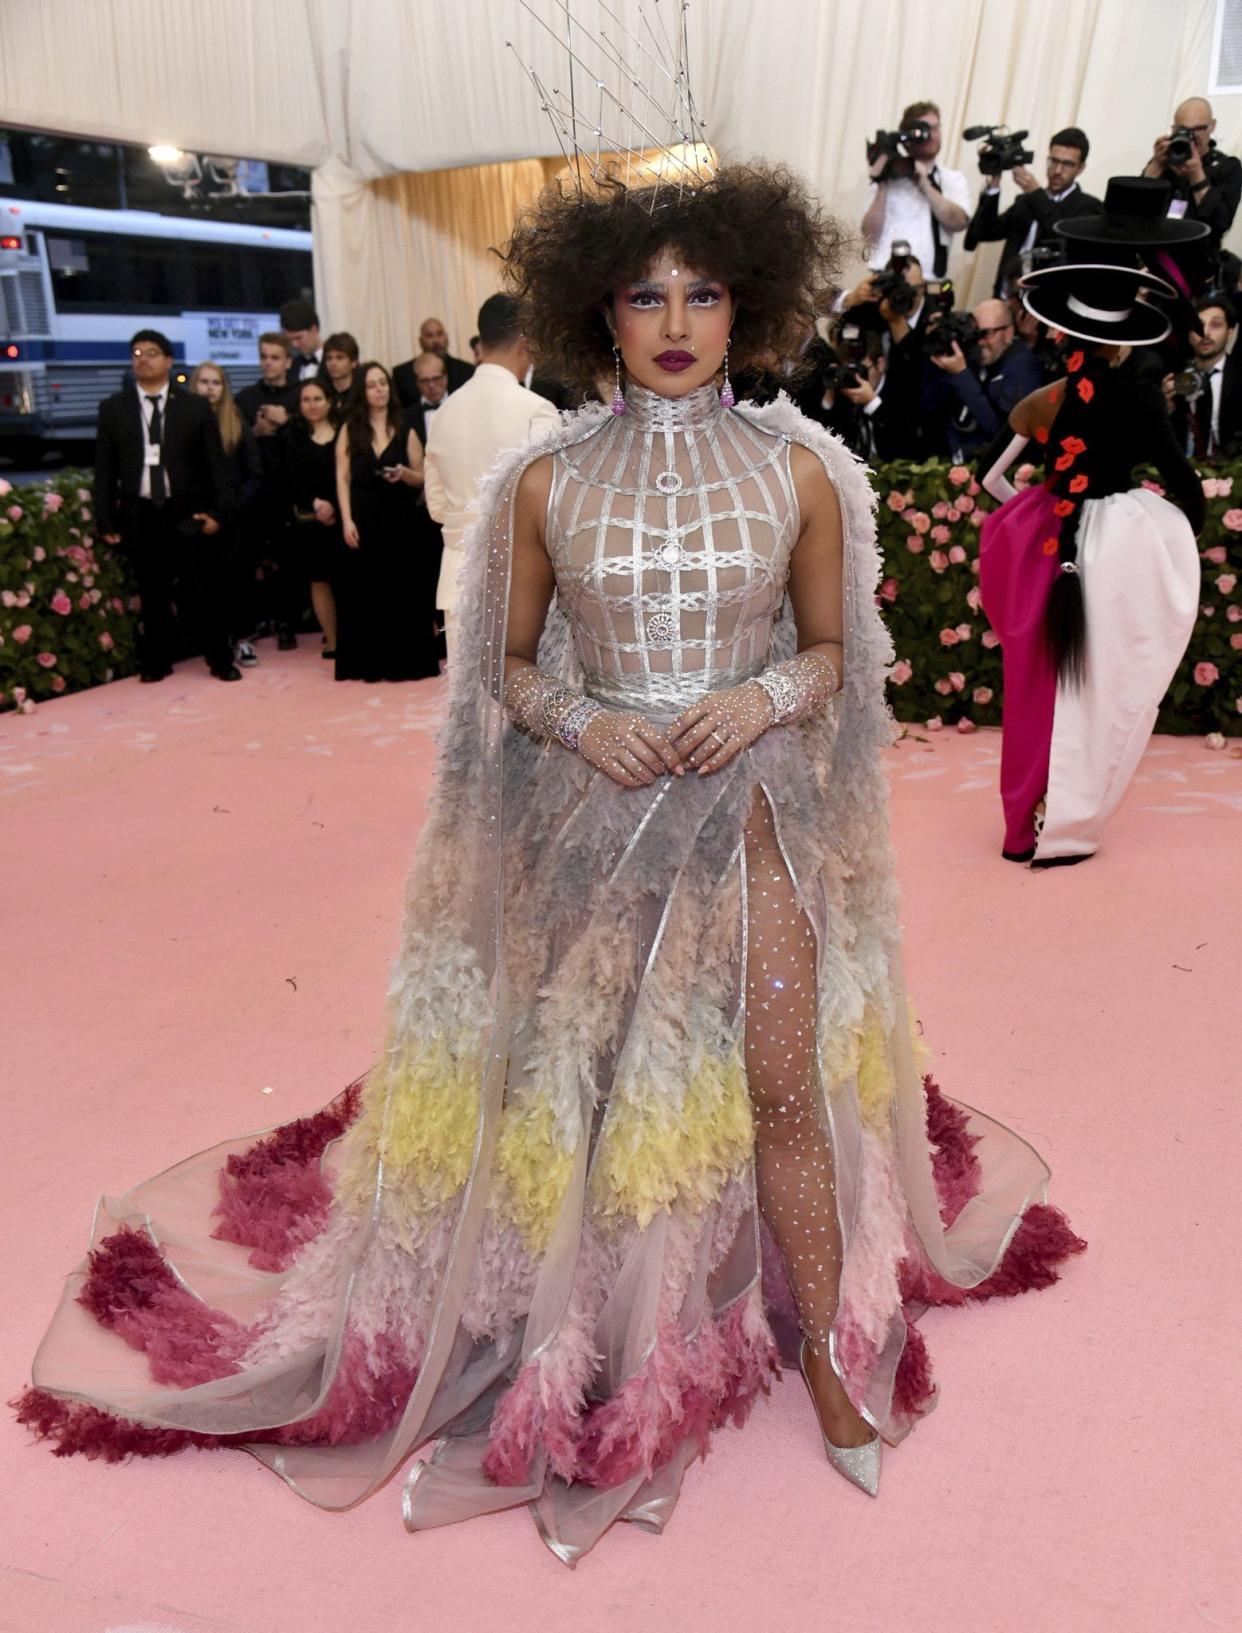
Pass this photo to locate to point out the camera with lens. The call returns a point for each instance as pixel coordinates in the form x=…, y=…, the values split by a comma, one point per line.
x=853, y=349
x=1002, y=149
x=890, y=283
x=1188, y=384
x=1181, y=146
x=945, y=327
x=895, y=145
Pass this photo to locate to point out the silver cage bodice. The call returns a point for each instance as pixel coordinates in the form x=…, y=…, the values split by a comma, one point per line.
x=669, y=530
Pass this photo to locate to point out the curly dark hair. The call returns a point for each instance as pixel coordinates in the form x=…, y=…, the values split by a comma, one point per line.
x=754, y=226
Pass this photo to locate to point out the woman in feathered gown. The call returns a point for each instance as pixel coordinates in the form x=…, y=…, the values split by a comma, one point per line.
x=651, y=1115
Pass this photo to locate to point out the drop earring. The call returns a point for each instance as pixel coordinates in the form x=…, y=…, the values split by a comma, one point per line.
x=618, y=396
x=726, y=390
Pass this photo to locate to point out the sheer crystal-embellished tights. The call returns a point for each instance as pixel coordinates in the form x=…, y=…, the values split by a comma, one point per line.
x=793, y=1149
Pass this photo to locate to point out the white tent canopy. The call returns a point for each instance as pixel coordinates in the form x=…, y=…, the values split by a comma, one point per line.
x=394, y=103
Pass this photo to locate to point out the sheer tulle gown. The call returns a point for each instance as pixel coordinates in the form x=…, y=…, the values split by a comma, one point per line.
x=554, y=1240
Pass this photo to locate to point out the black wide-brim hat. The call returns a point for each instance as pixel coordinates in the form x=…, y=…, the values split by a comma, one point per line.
x=1136, y=215
x=1098, y=302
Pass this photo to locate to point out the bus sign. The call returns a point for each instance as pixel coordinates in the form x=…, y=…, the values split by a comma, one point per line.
x=224, y=337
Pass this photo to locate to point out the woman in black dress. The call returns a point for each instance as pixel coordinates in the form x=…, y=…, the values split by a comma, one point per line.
x=381, y=633
x=224, y=595
x=316, y=527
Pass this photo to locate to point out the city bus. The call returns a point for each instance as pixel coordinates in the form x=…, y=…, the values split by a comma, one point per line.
x=76, y=282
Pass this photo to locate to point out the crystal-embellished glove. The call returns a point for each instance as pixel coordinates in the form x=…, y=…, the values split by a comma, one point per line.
x=721, y=725
x=626, y=747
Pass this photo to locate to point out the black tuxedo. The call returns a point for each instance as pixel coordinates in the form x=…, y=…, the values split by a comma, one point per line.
x=1229, y=437
x=172, y=559
x=990, y=223
x=408, y=394
x=1217, y=203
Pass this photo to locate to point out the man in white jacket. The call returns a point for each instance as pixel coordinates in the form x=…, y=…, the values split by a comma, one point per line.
x=492, y=411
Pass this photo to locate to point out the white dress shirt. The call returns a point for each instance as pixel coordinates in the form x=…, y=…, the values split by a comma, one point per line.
x=908, y=215
x=308, y=368
x=492, y=411
x=147, y=409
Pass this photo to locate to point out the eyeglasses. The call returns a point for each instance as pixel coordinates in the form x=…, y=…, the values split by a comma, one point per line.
x=147, y=354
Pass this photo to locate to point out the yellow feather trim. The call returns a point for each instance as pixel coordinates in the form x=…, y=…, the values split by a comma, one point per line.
x=533, y=1170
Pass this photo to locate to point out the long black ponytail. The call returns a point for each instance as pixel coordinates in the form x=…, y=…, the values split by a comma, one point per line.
x=1069, y=478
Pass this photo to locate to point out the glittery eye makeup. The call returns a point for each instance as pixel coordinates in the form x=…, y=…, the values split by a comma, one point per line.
x=645, y=297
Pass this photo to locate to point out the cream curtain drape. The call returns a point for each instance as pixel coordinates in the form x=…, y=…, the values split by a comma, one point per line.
x=421, y=127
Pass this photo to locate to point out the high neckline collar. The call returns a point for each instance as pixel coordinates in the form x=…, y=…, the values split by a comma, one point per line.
x=654, y=412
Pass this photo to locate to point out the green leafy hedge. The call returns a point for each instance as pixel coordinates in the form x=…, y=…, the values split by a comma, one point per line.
x=67, y=606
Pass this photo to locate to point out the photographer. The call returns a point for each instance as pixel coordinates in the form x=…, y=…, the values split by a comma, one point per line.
x=1205, y=401
x=1027, y=226
x=911, y=197
x=891, y=305
x=987, y=370
x=1207, y=184
x=839, y=387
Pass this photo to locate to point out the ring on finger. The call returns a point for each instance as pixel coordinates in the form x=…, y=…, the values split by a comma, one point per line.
x=723, y=741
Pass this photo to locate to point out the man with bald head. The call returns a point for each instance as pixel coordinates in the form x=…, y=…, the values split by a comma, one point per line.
x=982, y=389
x=433, y=339
x=1206, y=186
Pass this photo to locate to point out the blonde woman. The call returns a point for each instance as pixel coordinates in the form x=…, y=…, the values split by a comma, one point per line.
x=243, y=479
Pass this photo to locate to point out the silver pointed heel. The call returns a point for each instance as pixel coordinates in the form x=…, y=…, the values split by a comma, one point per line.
x=859, y=1464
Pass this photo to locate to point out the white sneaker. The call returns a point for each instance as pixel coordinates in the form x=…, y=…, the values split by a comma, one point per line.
x=246, y=653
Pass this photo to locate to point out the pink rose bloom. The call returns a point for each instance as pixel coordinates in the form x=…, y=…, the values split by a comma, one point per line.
x=117, y=604
x=1206, y=674
x=937, y=724
x=982, y=694
x=1224, y=486
x=977, y=519
x=965, y=504
x=900, y=673
x=957, y=680
x=5, y=487
x=888, y=590
x=16, y=513
x=39, y=553
x=1152, y=487
x=941, y=535
x=943, y=687
x=965, y=726
x=135, y=603
x=84, y=494
x=957, y=555
x=1233, y=613
x=22, y=634
x=954, y=515
x=1217, y=554
x=949, y=637
x=974, y=598
x=1226, y=582
x=914, y=544
x=964, y=632
x=990, y=638
x=106, y=641
x=1232, y=519
x=71, y=578
x=920, y=521
x=1023, y=475
x=86, y=515
x=973, y=488
x=95, y=597
x=58, y=683
x=909, y=513
x=23, y=599
x=7, y=598
x=938, y=561
x=53, y=501
x=1209, y=488
x=1207, y=611
x=84, y=601
x=75, y=552
x=46, y=660
x=959, y=475
x=940, y=509
x=1235, y=641
x=61, y=603
x=896, y=501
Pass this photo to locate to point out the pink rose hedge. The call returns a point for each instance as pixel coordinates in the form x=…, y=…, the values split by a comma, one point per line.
x=948, y=670
x=66, y=621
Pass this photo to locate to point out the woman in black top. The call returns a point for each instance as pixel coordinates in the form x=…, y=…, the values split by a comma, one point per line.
x=381, y=631
x=316, y=528
x=222, y=595
x=1092, y=583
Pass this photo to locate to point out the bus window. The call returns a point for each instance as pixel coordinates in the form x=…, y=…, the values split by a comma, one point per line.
x=154, y=266
x=84, y=270
x=273, y=288
x=216, y=275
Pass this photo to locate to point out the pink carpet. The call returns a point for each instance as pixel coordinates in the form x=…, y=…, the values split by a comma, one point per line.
x=201, y=891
